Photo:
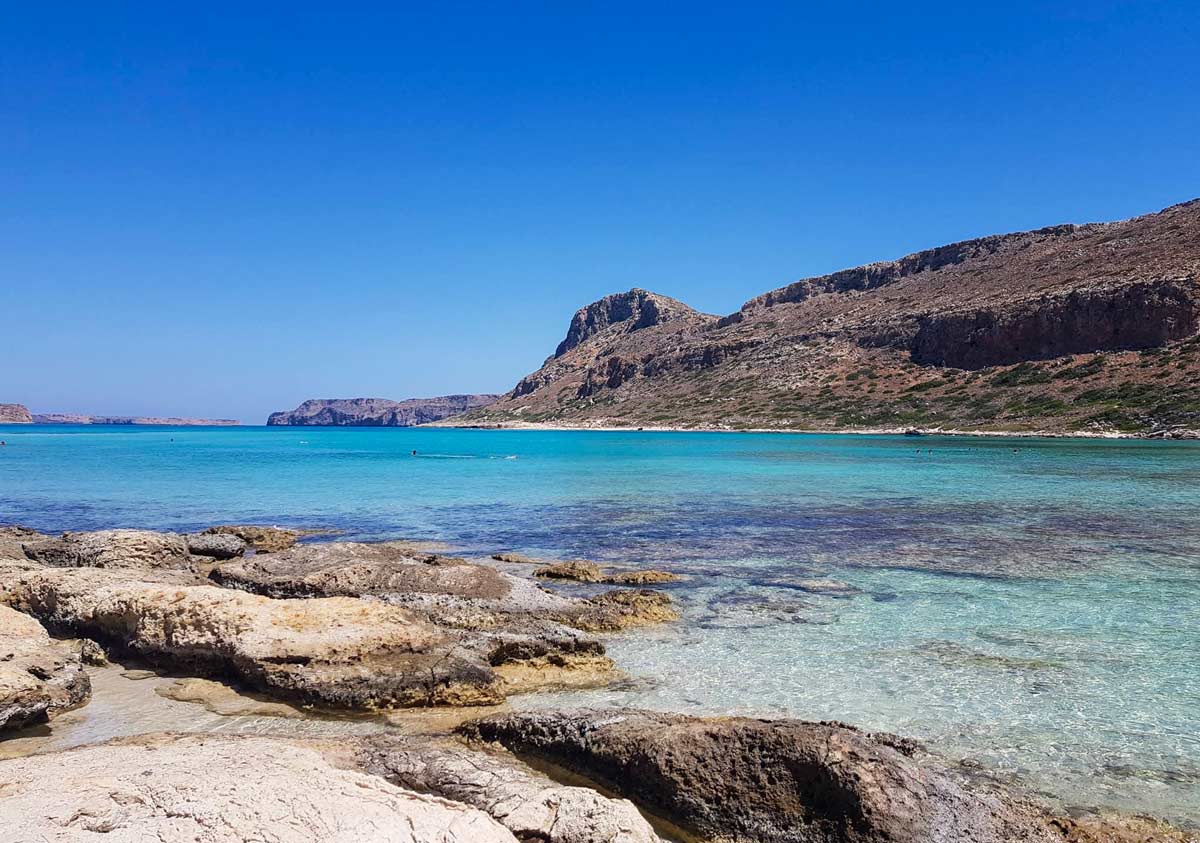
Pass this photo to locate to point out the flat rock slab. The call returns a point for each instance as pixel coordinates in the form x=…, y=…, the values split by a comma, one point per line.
x=781, y=781
x=39, y=676
x=336, y=651
x=357, y=568
x=220, y=789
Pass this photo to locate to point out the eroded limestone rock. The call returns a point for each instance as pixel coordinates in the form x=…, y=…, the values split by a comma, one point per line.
x=216, y=545
x=221, y=789
x=580, y=571
x=262, y=539
x=334, y=651
x=39, y=677
x=781, y=781
x=112, y=549
x=528, y=803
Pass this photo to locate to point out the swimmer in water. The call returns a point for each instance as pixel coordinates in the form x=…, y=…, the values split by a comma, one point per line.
x=414, y=452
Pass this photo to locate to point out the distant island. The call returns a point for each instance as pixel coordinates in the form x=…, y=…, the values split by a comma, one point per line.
x=1071, y=329
x=379, y=412
x=19, y=414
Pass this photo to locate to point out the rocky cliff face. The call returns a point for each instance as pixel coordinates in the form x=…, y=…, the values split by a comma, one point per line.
x=14, y=414
x=626, y=312
x=1089, y=328
x=379, y=412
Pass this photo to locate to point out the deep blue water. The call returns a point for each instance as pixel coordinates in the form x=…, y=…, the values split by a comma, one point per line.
x=1030, y=604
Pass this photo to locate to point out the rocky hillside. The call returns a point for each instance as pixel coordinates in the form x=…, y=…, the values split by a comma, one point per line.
x=378, y=412
x=15, y=414
x=1072, y=328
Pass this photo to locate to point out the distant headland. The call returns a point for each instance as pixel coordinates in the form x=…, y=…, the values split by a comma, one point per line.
x=19, y=414
x=379, y=412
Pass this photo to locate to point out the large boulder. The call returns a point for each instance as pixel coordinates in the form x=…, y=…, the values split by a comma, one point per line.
x=334, y=651
x=770, y=781
x=215, y=545
x=221, y=789
x=111, y=549
x=39, y=677
x=527, y=803
x=262, y=539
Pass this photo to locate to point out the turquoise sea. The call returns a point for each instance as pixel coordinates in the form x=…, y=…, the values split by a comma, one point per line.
x=1029, y=606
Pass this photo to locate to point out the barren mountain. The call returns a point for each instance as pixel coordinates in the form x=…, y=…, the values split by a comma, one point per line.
x=1070, y=328
x=14, y=414
x=174, y=421
x=378, y=412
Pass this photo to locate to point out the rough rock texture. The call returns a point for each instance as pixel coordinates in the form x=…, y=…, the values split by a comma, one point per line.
x=580, y=571
x=216, y=545
x=356, y=568
x=780, y=781
x=262, y=539
x=513, y=558
x=613, y=611
x=15, y=414
x=1089, y=328
x=631, y=311
x=379, y=412
x=39, y=677
x=527, y=803
x=337, y=651
x=526, y=634
x=112, y=549
x=13, y=539
x=220, y=789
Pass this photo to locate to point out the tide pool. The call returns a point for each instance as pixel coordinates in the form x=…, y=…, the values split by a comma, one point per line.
x=1030, y=606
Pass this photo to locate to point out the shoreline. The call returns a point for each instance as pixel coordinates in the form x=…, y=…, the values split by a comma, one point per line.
x=1178, y=435
x=1181, y=436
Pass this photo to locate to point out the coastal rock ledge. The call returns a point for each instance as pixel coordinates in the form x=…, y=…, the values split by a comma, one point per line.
x=787, y=781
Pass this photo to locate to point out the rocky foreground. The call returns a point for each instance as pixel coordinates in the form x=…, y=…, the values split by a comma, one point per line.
x=1072, y=328
x=368, y=627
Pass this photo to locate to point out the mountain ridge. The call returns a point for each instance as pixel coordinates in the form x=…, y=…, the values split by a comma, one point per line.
x=377, y=412
x=912, y=342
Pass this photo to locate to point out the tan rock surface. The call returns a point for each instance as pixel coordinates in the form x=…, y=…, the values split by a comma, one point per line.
x=220, y=789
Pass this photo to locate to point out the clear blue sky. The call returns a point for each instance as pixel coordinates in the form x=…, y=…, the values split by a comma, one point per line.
x=227, y=209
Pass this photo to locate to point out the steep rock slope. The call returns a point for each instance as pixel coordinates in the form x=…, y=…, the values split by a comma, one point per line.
x=1069, y=328
x=378, y=412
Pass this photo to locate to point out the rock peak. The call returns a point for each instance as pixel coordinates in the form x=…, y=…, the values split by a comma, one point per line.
x=638, y=308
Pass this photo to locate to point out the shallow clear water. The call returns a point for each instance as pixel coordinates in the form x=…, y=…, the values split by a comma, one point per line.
x=1033, y=605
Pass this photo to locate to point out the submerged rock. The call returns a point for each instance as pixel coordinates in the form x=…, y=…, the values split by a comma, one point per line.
x=221, y=789
x=782, y=781
x=650, y=577
x=530, y=805
x=39, y=677
x=111, y=549
x=826, y=587
x=262, y=539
